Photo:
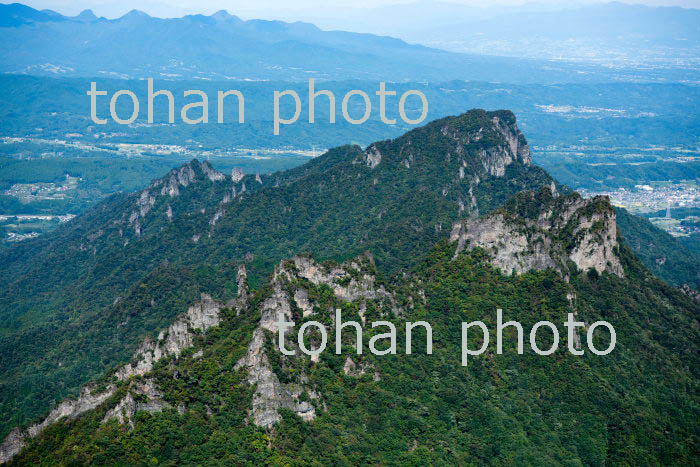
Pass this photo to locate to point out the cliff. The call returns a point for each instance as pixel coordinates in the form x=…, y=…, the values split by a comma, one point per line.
x=295, y=294
x=544, y=230
x=294, y=291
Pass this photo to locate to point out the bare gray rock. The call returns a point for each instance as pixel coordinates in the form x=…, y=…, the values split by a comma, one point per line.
x=237, y=175
x=568, y=228
x=127, y=407
x=350, y=282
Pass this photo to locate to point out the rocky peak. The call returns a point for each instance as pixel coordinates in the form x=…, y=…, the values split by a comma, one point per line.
x=541, y=230
x=453, y=154
x=495, y=136
x=170, y=185
x=237, y=175
x=293, y=287
x=211, y=173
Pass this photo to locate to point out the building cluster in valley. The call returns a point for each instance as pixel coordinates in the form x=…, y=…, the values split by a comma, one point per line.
x=659, y=201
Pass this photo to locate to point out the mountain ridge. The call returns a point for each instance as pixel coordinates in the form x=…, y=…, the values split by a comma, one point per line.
x=354, y=280
x=227, y=48
x=100, y=292
x=302, y=289
x=186, y=232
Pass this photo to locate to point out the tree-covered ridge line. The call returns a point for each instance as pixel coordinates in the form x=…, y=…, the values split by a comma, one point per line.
x=108, y=275
x=634, y=406
x=673, y=260
x=84, y=296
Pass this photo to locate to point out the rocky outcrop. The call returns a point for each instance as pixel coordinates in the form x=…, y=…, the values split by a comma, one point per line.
x=352, y=281
x=518, y=148
x=544, y=230
x=211, y=173
x=177, y=178
x=349, y=282
x=13, y=443
x=507, y=143
x=242, y=286
x=372, y=156
x=172, y=341
x=690, y=292
x=350, y=368
x=237, y=175
x=217, y=215
x=68, y=409
x=270, y=394
x=148, y=399
x=170, y=186
x=177, y=337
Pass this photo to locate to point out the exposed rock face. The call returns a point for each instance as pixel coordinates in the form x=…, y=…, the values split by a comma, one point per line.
x=69, y=409
x=170, y=186
x=346, y=286
x=211, y=173
x=475, y=145
x=519, y=150
x=237, y=175
x=242, y=283
x=293, y=280
x=350, y=282
x=493, y=157
x=270, y=394
x=350, y=368
x=202, y=315
x=150, y=400
x=217, y=215
x=13, y=443
x=177, y=178
x=301, y=298
x=179, y=336
x=373, y=156
x=540, y=231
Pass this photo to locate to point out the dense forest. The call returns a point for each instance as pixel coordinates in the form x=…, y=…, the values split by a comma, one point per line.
x=84, y=296
x=636, y=406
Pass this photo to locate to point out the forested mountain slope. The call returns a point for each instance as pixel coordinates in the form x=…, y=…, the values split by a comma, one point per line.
x=668, y=257
x=80, y=300
x=82, y=296
x=229, y=396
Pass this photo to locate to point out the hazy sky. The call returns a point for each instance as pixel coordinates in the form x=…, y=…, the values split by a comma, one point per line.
x=278, y=9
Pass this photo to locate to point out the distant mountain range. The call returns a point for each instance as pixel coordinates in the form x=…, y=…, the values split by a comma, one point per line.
x=614, y=32
x=223, y=46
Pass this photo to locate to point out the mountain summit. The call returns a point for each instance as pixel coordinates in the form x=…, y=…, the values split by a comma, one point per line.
x=164, y=299
x=180, y=236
